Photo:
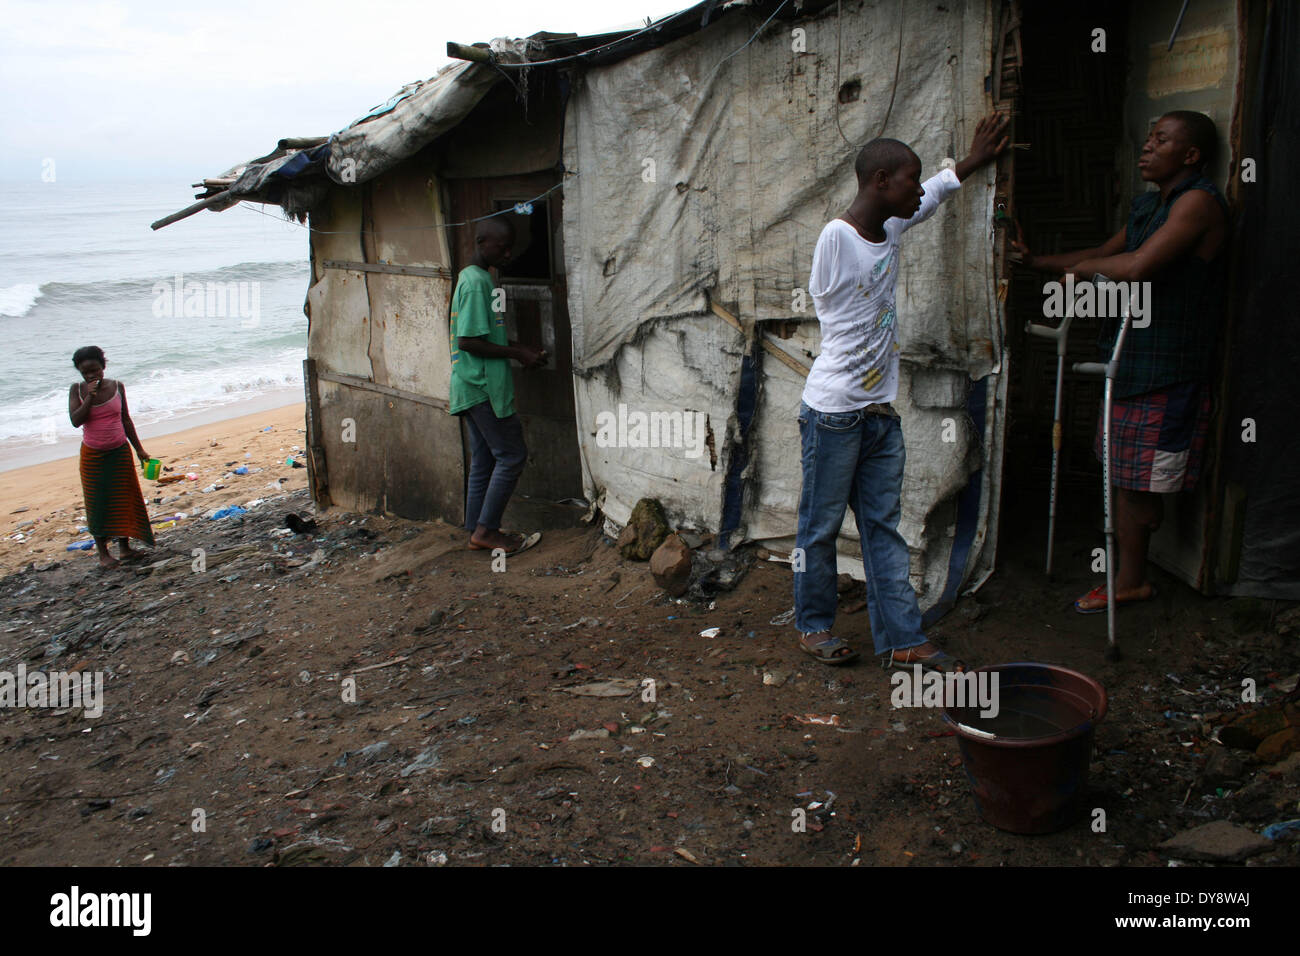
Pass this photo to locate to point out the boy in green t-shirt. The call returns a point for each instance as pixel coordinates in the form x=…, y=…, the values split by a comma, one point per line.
x=483, y=391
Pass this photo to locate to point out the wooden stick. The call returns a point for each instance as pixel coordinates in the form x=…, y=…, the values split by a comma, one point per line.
x=375, y=667
x=785, y=357
x=462, y=51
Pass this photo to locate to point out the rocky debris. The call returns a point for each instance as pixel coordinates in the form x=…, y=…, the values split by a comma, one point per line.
x=646, y=529
x=671, y=566
x=1272, y=732
x=1217, y=842
x=1222, y=767
x=1276, y=746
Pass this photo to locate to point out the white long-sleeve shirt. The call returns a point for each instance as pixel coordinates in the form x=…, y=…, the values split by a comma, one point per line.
x=852, y=287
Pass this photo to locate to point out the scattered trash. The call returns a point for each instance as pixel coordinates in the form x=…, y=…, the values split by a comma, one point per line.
x=829, y=720
x=1276, y=830
x=618, y=687
x=299, y=525
x=646, y=761
x=427, y=760
x=229, y=511
x=785, y=617
x=711, y=632
x=81, y=545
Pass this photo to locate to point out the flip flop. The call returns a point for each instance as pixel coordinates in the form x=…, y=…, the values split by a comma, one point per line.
x=938, y=661
x=528, y=541
x=825, y=651
x=1099, y=594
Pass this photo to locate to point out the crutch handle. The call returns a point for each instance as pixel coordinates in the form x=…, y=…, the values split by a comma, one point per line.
x=1057, y=335
x=1092, y=368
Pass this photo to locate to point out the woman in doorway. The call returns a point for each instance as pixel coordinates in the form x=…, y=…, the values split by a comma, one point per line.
x=114, y=506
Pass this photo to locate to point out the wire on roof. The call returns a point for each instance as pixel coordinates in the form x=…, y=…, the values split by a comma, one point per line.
x=524, y=208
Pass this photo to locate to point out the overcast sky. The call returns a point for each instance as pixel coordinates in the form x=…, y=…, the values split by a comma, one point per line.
x=164, y=90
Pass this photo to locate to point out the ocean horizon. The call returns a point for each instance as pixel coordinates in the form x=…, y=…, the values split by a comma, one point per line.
x=203, y=315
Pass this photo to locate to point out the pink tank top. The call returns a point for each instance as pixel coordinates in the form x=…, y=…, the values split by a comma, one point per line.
x=103, y=429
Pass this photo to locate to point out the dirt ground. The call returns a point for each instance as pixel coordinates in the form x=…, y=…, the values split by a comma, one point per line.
x=229, y=736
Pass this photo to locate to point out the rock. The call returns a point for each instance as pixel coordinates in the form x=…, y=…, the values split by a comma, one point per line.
x=646, y=529
x=671, y=565
x=776, y=677
x=1222, y=767
x=1276, y=746
x=1249, y=731
x=1217, y=842
x=580, y=734
x=1288, y=769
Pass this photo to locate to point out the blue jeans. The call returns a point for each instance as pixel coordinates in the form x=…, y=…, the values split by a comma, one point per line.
x=854, y=459
x=496, y=460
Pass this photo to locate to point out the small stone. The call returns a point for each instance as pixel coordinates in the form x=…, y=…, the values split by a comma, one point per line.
x=581, y=734
x=671, y=565
x=1249, y=731
x=1221, y=767
x=646, y=529
x=1219, y=842
x=1276, y=746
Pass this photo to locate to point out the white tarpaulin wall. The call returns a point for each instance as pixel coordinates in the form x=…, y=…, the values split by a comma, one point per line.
x=697, y=178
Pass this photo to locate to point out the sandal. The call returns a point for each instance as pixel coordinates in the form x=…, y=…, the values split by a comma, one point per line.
x=1099, y=594
x=907, y=659
x=526, y=541
x=832, y=651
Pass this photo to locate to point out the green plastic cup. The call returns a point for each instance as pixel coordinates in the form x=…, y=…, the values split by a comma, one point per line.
x=152, y=468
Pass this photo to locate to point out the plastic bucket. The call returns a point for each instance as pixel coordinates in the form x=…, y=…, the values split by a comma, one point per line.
x=1028, y=765
x=152, y=468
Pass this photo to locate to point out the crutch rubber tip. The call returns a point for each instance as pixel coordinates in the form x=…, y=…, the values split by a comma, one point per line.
x=1112, y=652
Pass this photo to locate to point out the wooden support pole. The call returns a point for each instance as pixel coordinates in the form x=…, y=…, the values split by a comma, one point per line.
x=463, y=51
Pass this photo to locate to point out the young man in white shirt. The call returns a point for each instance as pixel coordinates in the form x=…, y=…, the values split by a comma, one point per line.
x=851, y=438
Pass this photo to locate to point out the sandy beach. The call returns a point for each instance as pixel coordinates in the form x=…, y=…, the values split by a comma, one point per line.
x=41, y=504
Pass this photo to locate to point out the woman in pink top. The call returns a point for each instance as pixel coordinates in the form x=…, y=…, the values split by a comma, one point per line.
x=114, y=505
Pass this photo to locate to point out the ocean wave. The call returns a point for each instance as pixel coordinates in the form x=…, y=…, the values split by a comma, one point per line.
x=17, y=300
x=159, y=394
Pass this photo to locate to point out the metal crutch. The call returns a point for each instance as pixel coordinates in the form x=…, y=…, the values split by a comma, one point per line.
x=1109, y=370
x=1057, y=335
